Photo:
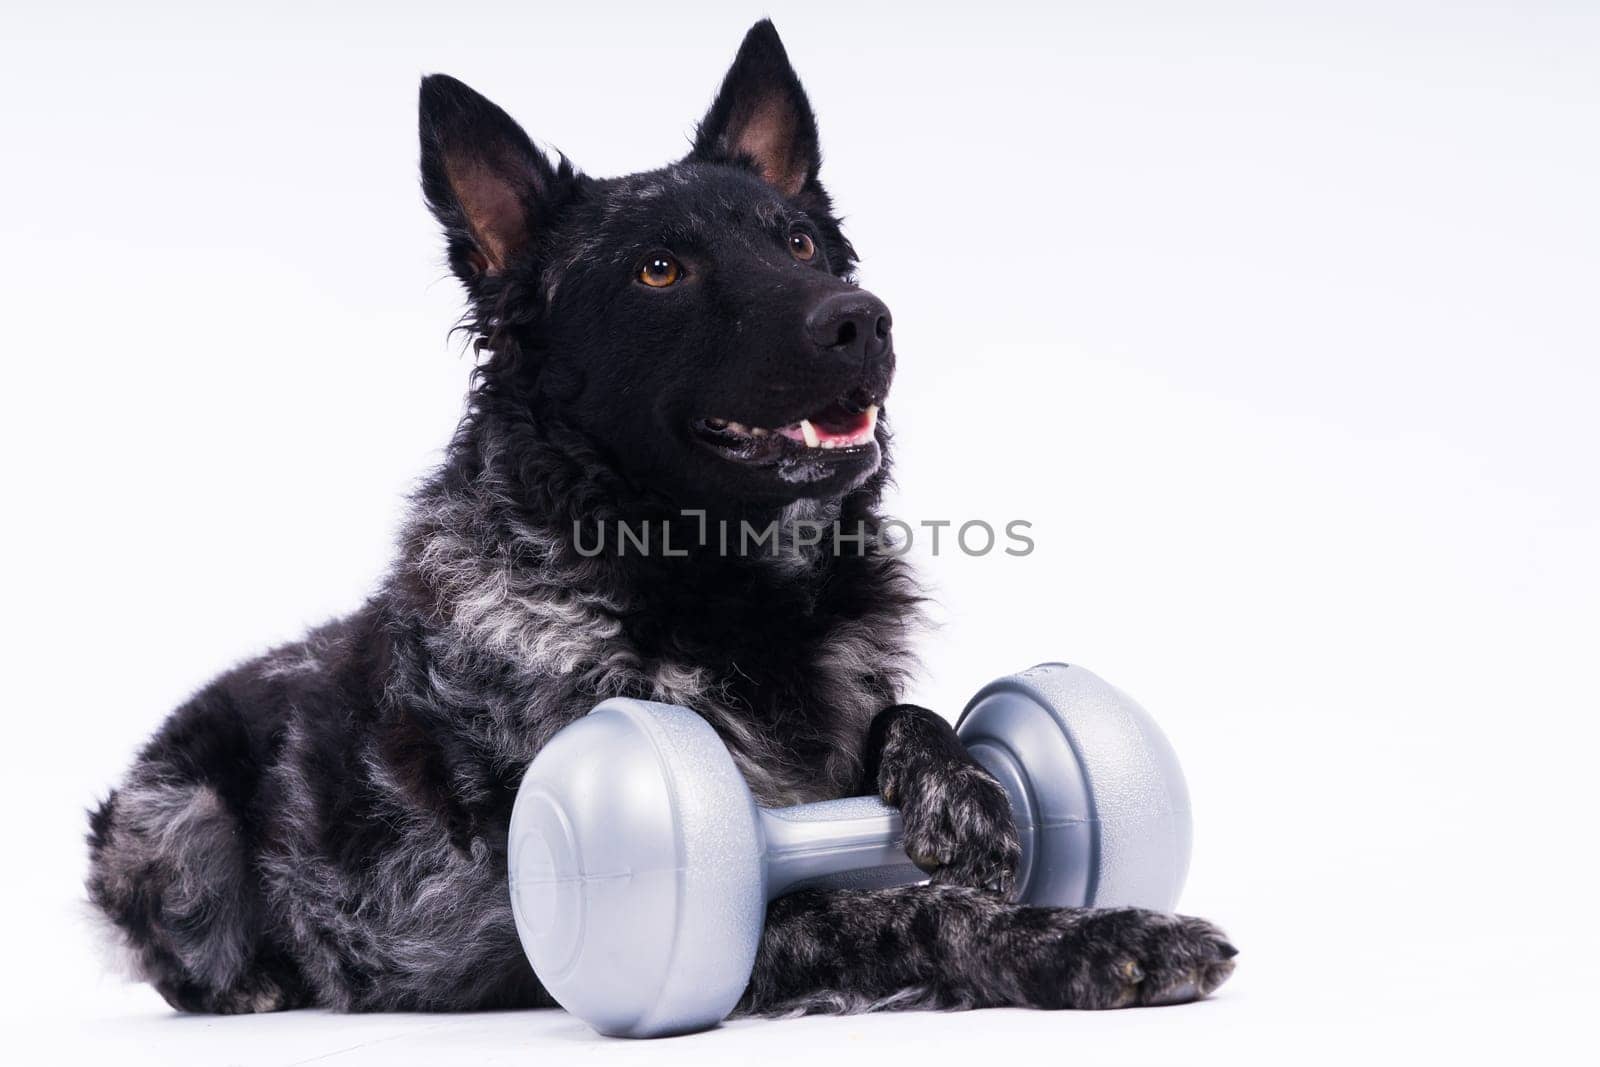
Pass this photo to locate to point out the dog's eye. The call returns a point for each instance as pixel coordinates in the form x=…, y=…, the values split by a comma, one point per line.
x=660, y=271
x=803, y=247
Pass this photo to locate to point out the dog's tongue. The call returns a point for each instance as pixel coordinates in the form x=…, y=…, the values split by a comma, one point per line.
x=833, y=428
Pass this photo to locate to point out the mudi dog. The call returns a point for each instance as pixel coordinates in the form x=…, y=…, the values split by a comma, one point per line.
x=326, y=825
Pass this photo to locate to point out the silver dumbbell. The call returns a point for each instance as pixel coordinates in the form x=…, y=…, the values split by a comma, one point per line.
x=640, y=865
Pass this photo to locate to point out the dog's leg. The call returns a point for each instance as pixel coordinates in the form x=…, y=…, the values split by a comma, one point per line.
x=172, y=869
x=939, y=946
x=169, y=872
x=958, y=822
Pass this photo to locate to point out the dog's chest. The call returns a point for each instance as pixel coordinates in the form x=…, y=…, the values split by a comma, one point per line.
x=793, y=703
x=790, y=669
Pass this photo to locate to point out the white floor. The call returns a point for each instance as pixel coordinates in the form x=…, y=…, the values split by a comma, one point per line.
x=1268, y=1018
x=1311, y=988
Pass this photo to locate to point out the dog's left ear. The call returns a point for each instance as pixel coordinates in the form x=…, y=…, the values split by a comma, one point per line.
x=761, y=114
x=490, y=188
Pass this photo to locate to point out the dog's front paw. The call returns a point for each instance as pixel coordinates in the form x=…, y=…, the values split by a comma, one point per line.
x=1121, y=957
x=958, y=822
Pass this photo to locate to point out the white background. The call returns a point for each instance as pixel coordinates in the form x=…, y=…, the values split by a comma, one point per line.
x=1278, y=321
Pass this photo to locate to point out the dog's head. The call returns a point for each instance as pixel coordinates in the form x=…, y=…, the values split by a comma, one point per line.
x=698, y=324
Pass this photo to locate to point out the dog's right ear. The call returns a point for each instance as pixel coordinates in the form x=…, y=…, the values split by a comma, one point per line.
x=486, y=183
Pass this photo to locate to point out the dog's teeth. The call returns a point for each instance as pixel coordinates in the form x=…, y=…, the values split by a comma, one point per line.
x=757, y=431
x=717, y=424
x=809, y=432
x=872, y=421
x=736, y=427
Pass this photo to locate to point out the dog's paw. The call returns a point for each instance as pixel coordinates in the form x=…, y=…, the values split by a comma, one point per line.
x=1122, y=957
x=957, y=817
x=959, y=828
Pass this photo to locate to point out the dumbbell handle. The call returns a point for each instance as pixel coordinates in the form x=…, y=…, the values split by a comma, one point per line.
x=857, y=843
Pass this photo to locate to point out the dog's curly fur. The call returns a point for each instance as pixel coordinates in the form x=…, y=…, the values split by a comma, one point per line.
x=326, y=825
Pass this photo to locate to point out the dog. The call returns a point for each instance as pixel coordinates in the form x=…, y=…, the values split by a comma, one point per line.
x=680, y=349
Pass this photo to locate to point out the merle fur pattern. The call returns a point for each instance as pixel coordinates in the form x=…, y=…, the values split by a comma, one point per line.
x=326, y=825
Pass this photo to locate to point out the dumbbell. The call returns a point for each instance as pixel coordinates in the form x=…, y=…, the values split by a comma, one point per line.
x=640, y=865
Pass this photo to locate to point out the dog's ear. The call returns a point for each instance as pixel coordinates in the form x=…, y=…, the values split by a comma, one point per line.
x=486, y=183
x=761, y=114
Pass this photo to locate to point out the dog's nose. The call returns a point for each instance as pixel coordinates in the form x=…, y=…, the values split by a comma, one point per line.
x=855, y=324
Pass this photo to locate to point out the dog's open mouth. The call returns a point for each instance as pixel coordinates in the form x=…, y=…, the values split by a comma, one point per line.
x=844, y=427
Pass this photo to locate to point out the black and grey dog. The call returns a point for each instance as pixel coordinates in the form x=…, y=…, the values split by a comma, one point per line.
x=674, y=350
